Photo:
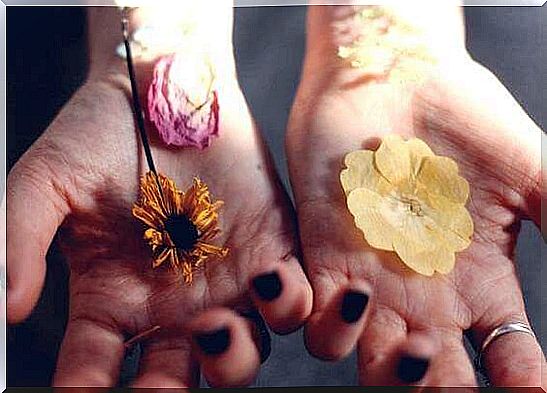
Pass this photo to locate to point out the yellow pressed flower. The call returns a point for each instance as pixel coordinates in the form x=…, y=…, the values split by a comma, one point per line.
x=406, y=199
x=180, y=224
x=388, y=45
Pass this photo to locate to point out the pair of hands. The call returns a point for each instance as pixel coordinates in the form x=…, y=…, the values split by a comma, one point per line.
x=81, y=178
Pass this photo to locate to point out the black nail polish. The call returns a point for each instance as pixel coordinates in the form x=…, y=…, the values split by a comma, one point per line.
x=214, y=343
x=412, y=369
x=268, y=286
x=353, y=306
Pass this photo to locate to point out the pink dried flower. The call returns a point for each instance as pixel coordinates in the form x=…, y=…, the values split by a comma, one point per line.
x=181, y=102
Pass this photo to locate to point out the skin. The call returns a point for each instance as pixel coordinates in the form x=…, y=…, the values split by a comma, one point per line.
x=81, y=178
x=85, y=182
x=461, y=110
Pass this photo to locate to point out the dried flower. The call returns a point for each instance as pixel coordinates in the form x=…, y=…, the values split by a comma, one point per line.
x=388, y=46
x=406, y=199
x=180, y=224
x=182, y=102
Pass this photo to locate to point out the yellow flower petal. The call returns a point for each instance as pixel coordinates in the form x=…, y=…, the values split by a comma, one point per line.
x=421, y=230
x=413, y=255
x=361, y=172
x=418, y=150
x=393, y=159
x=368, y=209
x=212, y=249
x=153, y=237
x=147, y=217
x=166, y=253
x=445, y=261
x=455, y=225
x=439, y=175
x=424, y=261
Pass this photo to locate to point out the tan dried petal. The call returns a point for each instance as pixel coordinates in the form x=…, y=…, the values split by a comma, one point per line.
x=439, y=175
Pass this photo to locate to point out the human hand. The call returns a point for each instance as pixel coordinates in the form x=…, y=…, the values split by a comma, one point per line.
x=82, y=177
x=462, y=111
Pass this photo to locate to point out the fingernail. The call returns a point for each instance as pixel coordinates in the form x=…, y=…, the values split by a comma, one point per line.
x=353, y=306
x=268, y=286
x=412, y=369
x=214, y=343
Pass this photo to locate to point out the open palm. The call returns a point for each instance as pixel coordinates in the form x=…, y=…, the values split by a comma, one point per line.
x=82, y=176
x=497, y=149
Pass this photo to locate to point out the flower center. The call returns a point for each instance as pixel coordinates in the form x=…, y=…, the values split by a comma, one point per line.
x=182, y=231
x=413, y=205
x=415, y=208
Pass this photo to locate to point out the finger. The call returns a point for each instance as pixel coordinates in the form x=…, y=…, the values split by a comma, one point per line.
x=167, y=363
x=333, y=330
x=379, y=348
x=513, y=359
x=283, y=296
x=405, y=361
x=91, y=355
x=451, y=366
x=260, y=333
x=225, y=348
x=34, y=212
x=413, y=360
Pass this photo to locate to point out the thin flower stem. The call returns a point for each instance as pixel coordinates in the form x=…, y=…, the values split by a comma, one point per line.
x=137, y=102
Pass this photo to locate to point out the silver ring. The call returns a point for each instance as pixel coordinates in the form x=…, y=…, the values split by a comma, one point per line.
x=506, y=328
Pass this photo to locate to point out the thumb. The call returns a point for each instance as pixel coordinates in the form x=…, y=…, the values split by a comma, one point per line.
x=35, y=209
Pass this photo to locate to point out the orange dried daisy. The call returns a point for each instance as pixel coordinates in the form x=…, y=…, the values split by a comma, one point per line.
x=180, y=224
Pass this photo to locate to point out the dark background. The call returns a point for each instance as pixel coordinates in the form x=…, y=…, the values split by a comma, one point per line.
x=46, y=62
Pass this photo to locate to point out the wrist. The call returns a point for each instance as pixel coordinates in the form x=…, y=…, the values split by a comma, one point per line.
x=158, y=31
x=383, y=43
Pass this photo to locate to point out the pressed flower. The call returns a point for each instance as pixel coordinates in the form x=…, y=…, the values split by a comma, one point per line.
x=406, y=199
x=180, y=224
x=388, y=46
x=182, y=101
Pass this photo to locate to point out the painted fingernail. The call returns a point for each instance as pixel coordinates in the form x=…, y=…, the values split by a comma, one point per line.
x=412, y=369
x=268, y=286
x=214, y=343
x=353, y=306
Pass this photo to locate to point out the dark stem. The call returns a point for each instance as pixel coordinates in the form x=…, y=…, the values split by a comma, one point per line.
x=137, y=103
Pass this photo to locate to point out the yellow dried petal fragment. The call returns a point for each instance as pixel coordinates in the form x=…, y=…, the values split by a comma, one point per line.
x=440, y=176
x=418, y=150
x=406, y=199
x=424, y=261
x=390, y=44
x=454, y=222
x=361, y=172
x=393, y=159
x=370, y=212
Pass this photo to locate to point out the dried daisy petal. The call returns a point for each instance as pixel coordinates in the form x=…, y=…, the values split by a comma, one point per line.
x=180, y=224
x=182, y=102
x=406, y=199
